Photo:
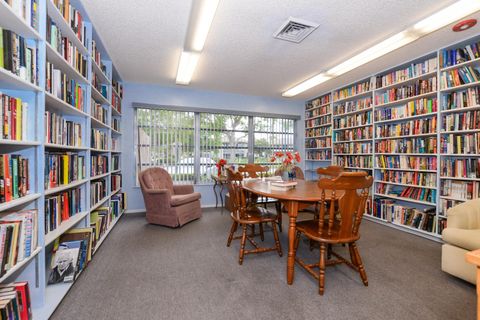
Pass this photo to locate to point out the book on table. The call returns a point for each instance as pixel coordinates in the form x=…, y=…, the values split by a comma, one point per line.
x=284, y=184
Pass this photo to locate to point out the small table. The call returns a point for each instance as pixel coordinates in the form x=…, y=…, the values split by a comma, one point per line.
x=303, y=195
x=473, y=257
x=219, y=182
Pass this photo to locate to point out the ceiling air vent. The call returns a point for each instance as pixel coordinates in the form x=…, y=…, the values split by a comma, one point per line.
x=295, y=30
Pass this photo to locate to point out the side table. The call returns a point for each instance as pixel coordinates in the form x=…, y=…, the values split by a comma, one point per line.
x=219, y=183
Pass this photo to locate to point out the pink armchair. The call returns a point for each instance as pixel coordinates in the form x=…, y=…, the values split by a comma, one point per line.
x=168, y=204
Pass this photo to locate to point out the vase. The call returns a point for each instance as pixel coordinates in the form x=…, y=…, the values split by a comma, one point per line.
x=288, y=175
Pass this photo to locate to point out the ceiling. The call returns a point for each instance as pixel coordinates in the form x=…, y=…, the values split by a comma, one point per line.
x=145, y=38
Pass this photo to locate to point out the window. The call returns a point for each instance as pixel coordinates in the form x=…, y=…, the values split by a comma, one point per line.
x=188, y=144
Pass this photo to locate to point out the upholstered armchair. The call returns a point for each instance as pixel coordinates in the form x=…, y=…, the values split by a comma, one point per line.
x=168, y=204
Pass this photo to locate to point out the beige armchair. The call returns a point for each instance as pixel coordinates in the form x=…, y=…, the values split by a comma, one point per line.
x=461, y=235
x=168, y=204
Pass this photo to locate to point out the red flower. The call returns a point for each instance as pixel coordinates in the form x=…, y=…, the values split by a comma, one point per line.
x=289, y=155
x=278, y=154
x=272, y=159
x=297, y=157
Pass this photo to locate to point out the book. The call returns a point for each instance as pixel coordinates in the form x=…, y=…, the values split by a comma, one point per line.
x=14, y=178
x=63, y=264
x=60, y=207
x=59, y=130
x=284, y=184
x=15, y=50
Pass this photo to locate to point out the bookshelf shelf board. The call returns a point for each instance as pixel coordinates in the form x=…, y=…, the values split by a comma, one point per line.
x=464, y=109
x=358, y=168
x=98, y=71
x=98, y=97
x=11, y=21
x=99, y=150
x=64, y=227
x=115, y=112
x=104, y=236
x=459, y=178
x=401, y=227
x=319, y=160
x=65, y=187
x=352, y=154
x=354, y=127
x=313, y=108
x=405, y=184
x=460, y=87
x=61, y=146
x=319, y=116
x=9, y=80
x=357, y=140
x=321, y=148
x=420, y=96
x=99, y=203
x=415, y=229
x=116, y=171
x=59, y=62
x=54, y=294
x=409, y=136
x=369, y=216
x=405, y=199
x=458, y=65
x=99, y=176
x=425, y=115
x=461, y=131
x=352, y=112
x=20, y=265
x=115, y=132
x=98, y=124
x=63, y=25
x=317, y=126
x=453, y=198
x=17, y=202
x=407, y=154
x=19, y=143
x=114, y=192
x=358, y=95
x=319, y=137
x=409, y=80
x=476, y=155
x=52, y=102
x=115, y=151
x=400, y=169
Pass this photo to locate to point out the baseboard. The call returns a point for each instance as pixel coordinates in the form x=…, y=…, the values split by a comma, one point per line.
x=207, y=206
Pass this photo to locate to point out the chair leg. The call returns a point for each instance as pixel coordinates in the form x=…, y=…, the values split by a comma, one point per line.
x=232, y=232
x=360, y=266
x=321, y=266
x=277, y=241
x=278, y=207
x=352, y=255
x=262, y=236
x=329, y=251
x=242, y=244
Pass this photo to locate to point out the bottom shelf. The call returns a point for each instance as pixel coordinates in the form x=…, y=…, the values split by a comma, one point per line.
x=104, y=236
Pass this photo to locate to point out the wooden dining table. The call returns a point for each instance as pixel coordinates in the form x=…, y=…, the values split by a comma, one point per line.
x=303, y=195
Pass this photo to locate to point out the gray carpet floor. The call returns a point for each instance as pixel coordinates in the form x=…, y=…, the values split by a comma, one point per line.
x=151, y=272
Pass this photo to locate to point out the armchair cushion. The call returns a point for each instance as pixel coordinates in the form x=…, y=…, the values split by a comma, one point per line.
x=179, y=199
x=183, y=189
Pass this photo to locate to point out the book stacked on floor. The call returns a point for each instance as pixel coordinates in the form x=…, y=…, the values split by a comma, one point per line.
x=18, y=237
x=14, y=117
x=14, y=177
x=63, y=168
x=59, y=130
x=60, y=207
x=15, y=301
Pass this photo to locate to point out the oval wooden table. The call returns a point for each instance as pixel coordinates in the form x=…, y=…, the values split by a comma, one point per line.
x=301, y=196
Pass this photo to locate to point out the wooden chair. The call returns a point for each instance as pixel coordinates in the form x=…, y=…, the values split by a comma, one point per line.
x=245, y=215
x=341, y=227
x=330, y=171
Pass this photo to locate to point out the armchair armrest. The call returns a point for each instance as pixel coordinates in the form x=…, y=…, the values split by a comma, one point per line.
x=156, y=191
x=183, y=189
x=465, y=215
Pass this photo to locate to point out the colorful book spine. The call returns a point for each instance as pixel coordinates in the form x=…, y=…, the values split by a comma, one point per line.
x=99, y=139
x=352, y=106
x=98, y=165
x=319, y=154
x=14, y=177
x=452, y=57
x=461, y=190
x=408, y=128
x=59, y=130
x=419, y=87
x=73, y=17
x=116, y=182
x=460, y=168
x=354, y=120
x=413, y=193
x=469, y=120
x=353, y=161
x=421, y=179
x=61, y=206
x=407, y=162
x=407, y=145
x=355, y=89
x=63, y=169
x=407, y=216
x=466, y=143
x=460, y=76
x=461, y=99
x=62, y=87
x=98, y=191
x=99, y=112
x=409, y=109
x=412, y=71
x=14, y=118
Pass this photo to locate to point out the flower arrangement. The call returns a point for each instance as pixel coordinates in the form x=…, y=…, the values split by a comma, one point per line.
x=288, y=160
x=220, y=165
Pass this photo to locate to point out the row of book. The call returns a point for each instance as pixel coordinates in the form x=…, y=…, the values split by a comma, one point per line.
x=460, y=168
x=118, y=88
x=18, y=57
x=99, y=165
x=352, y=106
x=319, y=143
x=74, y=18
x=406, y=162
x=61, y=206
x=414, y=193
x=319, y=154
x=412, y=71
x=97, y=58
x=63, y=168
x=99, y=86
x=116, y=180
x=15, y=301
x=352, y=147
x=116, y=124
x=461, y=190
x=409, y=109
x=445, y=204
x=65, y=48
x=98, y=191
x=412, y=127
x=353, y=134
x=27, y=10
x=353, y=120
x=353, y=161
x=420, y=179
x=62, y=87
x=320, y=101
x=407, y=145
x=461, y=121
x=459, y=76
x=117, y=103
x=99, y=139
x=467, y=143
x=311, y=123
x=18, y=237
x=422, y=86
x=355, y=89
x=99, y=112
x=14, y=177
x=318, y=132
x=14, y=117
x=451, y=57
x=461, y=99
x=101, y=218
x=115, y=162
x=118, y=203
x=59, y=130
x=320, y=111
x=116, y=144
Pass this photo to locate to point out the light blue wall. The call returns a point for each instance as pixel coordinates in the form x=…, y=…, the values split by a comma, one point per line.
x=184, y=96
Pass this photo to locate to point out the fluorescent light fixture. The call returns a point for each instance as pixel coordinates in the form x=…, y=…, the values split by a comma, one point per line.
x=436, y=21
x=305, y=85
x=447, y=15
x=201, y=18
x=186, y=67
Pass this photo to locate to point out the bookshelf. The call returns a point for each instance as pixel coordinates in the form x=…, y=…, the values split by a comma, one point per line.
x=90, y=98
x=422, y=136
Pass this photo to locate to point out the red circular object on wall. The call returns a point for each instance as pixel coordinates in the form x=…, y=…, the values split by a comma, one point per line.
x=464, y=25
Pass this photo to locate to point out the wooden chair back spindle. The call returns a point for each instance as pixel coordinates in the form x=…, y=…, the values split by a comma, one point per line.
x=330, y=171
x=236, y=192
x=252, y=170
